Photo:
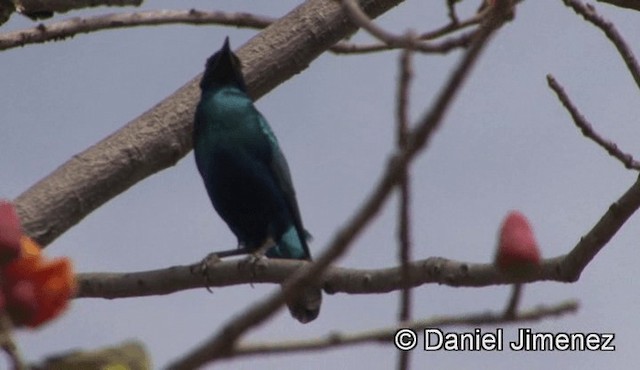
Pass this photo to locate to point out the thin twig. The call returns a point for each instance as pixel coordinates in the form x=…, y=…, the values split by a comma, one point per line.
x=409, y=41
x=512, y=307
x=223, y=342
x=404, y=223
x=61, y=30
x=461, y=41
x=587, y=129
x=71, y=27
x=8, y=344
x=386, y=335
x=609, y=29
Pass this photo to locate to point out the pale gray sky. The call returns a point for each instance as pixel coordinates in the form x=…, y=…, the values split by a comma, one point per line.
x=506, y=144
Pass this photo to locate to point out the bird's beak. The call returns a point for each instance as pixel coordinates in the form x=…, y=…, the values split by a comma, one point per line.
x=226, y=48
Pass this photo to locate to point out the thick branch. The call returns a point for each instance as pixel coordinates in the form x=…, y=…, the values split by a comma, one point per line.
x=162, y=136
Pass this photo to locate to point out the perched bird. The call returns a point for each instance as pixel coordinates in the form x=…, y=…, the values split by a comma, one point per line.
x=246, y=175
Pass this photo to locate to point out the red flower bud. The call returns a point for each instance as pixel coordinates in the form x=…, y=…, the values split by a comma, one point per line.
x=10, y=232
x=517, y=247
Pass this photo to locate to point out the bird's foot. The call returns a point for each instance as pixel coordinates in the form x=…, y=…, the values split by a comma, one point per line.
x=202, y=268
x=255, y=262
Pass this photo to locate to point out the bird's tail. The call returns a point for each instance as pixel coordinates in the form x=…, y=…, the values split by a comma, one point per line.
x=306, y=306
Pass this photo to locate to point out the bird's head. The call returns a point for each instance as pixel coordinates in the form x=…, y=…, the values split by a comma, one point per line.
x=222, y=69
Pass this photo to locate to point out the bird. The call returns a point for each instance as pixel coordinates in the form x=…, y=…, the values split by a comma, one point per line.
x=246, y=174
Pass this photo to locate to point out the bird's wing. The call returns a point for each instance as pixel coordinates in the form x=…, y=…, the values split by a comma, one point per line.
x=280, y=171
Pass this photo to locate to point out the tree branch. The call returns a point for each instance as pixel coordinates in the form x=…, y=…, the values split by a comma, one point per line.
x=587, y=129
x=161, y=136
x=565, y=268
x=71, y=27
x=38, y=9
x=223, y=342
x=62, y=6
x=408, y=41
x=609, y=29
x=68, y=28
x=404, y=219
x=386, y=335
x=629, y=4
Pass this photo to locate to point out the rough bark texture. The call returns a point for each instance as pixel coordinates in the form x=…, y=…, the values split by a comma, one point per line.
x=161, y=136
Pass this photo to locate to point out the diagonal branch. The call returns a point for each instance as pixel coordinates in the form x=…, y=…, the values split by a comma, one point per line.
x=587, y=129
x=161, y=136
x=609, y=29
x=222, y=343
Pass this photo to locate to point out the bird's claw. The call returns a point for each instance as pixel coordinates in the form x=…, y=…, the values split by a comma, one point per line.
x=255, y=262
x=203, y=267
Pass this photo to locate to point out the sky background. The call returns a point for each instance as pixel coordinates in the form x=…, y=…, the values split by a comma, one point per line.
x=506, y=143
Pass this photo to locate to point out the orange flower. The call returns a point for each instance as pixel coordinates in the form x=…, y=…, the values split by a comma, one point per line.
x=36, y=289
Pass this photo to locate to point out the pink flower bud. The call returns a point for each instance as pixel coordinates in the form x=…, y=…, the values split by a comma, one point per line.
x=517, y=247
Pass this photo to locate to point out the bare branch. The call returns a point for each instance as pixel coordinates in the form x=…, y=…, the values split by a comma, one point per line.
x=222, y=343
x=161, y=136
x=71, y=27
x=609, y=29
x=68, y=28
x=386, y=335
x=334, y=279
x=629, y=4
x=38, y=9
x=409, y=41
x=565, y=268
x=587, y=129
x=404, y=223
x=462, y=41
x=608, y=225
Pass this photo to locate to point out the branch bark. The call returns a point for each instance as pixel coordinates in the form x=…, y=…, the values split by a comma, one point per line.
x=222, y=343
x=565, y=268
x=70, y=27
x=161, y=136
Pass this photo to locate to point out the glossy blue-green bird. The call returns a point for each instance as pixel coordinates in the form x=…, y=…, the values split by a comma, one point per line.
x=246, y=175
